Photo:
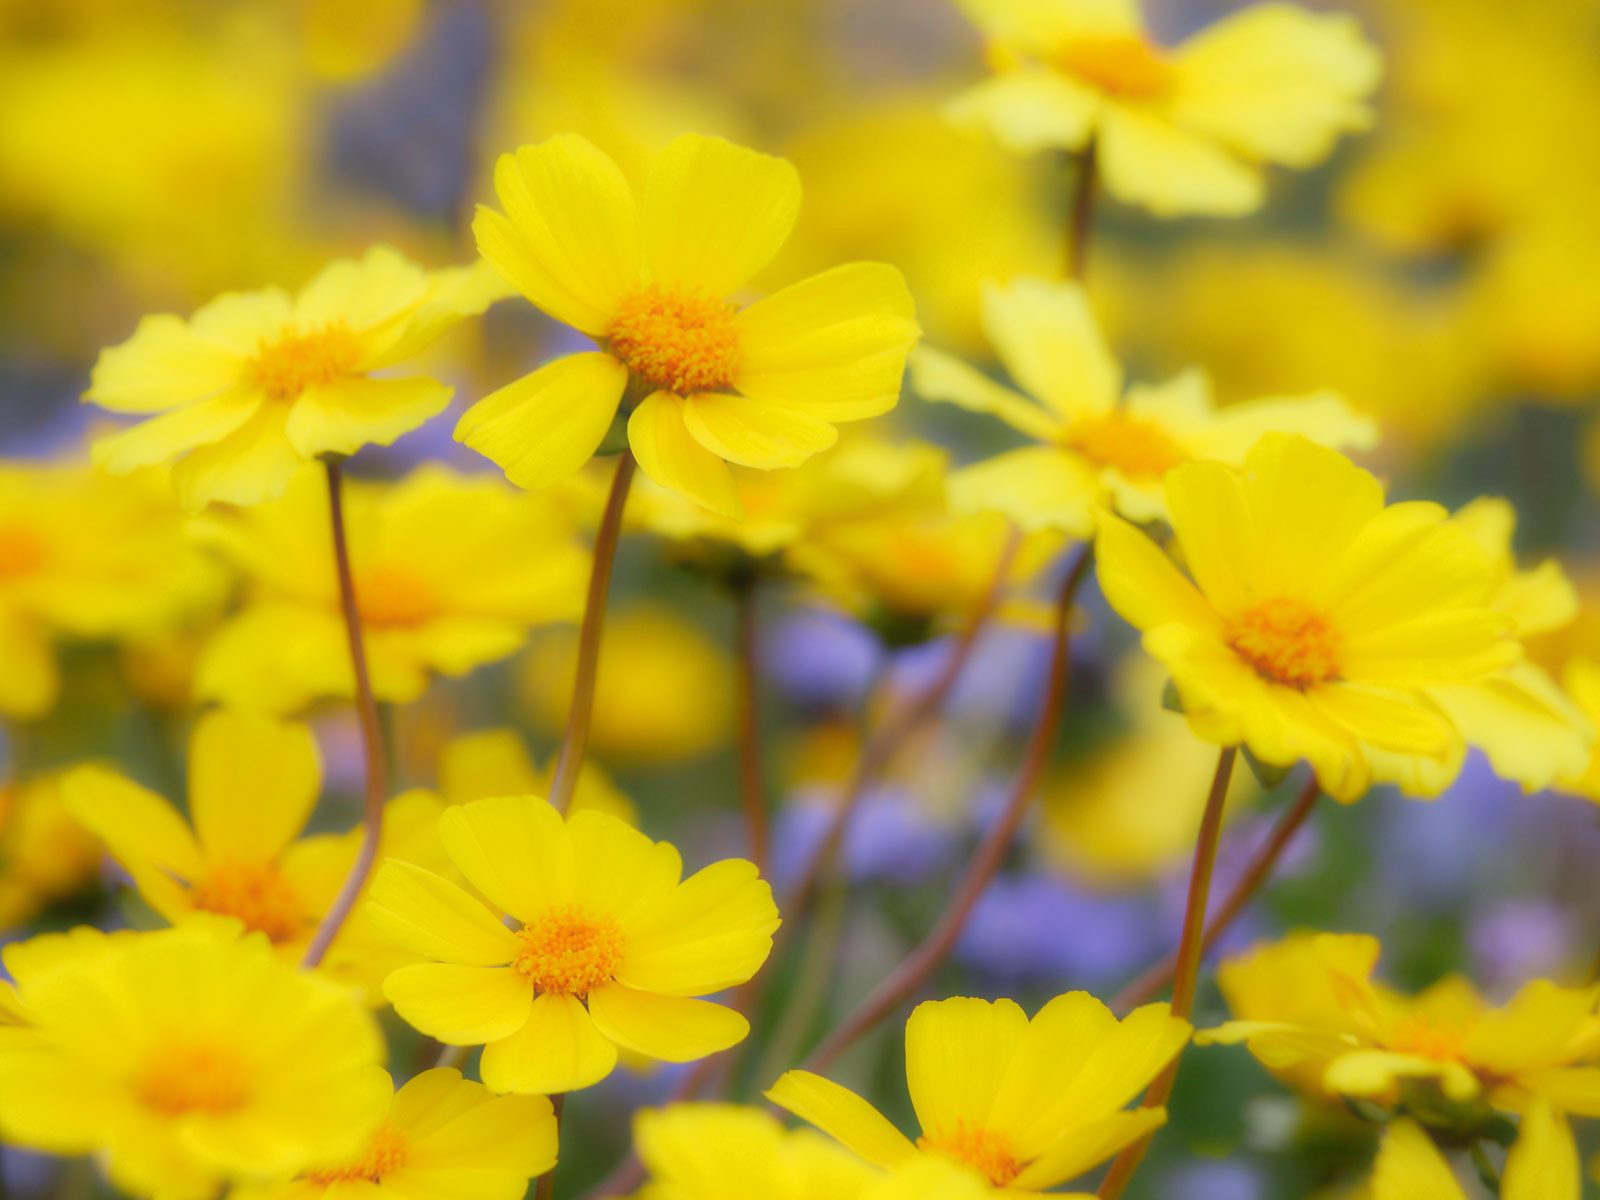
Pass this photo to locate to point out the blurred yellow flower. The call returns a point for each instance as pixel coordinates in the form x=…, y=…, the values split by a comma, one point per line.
x=1097, y=447
x=1582, y=679
x=45, y=854
x=349, y=39
x=436, y=587
x=1177, y=131
x=609, y=950
x=1317, y=617
x=187, y=1058
x=1021, y=1104
x=496, y=762
x=256, y=384
x=1542, y=1165
x=651, y=281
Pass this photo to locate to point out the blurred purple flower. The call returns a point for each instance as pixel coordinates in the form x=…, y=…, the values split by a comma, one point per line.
x=891, y=837
x=822, y=659
x=1214, y=1181
x=1518, y=940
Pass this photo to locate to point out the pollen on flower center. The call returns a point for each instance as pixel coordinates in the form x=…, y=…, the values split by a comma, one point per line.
x=393, y=597
x=568, y=952
x=21, y=550
x=1127, y=67
x=387, y=1152
x=259, y=896
x=297, y=361
x=1137, y=449
x=676, y=339
x=988, y=1153
x=1286, y=641
x=192, y=1076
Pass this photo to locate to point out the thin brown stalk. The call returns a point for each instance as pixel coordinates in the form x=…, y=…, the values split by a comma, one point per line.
x=1081, y=215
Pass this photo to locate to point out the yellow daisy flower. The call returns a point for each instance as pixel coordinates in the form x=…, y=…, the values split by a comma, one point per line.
x=186, y=1058
x=256, y=384
x=1021, y=1105
x=723, y=1152
x=436, y=587
x=1316, y=616
x=609, y=949
x=45, y=854
x=1308, y=1007
x=443, y=1136
x=1542, y=1165
x=87, y=557
x=1097, y=445
x=653, y=281
x=1177, y=131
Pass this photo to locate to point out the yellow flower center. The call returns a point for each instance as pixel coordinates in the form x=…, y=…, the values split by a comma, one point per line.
x=394, y=597
x=676, y=339
x=257, y=895
x=1138, y=449
x=1123, y=66
x=1427, y=1039
x=22, y=551
x=569, y=952
x=1286, y=641
x=192, y=1076
x=387, y=1152
x=987, y=1152
x=297, y=361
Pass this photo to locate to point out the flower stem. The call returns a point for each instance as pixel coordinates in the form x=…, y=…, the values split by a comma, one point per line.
x=1081, y=214
x=751, y=793
x=546, y=1186
x=1188, y=967
x=920, y=964
x=376, y=762
x=1150, y=984
x=576, y=738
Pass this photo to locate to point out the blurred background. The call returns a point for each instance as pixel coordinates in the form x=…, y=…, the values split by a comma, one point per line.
x=1442, y=271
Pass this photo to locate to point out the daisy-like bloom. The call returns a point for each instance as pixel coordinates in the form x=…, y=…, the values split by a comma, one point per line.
x=253, y=783
x=1021, y=1105
x=1542, y=1165
x=705, y=379
x=45, y=854
x=724, y=1152
x=1317, y=616
x=1097, y=445
x=1181, y=130
x=436, y=588
x=186, y=1058
x=256, y=384
x=610, y=945
x=443, y=1136
x=84, y=557
x=1307, y=1007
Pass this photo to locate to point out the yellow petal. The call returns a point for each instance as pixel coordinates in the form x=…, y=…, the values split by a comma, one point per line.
x=253, y=782
x=138, y=827
x=957, y=1053
x=163, y=365
x=939, y=376
x=361, y=293
x=671, y=1028
x=1410, y=1167
x=164, y=438
x=546, y=425
x=513, y=849
x=1325, y=418
x=1142, y=583
x=673, y=458
x=345, y=415
x=1215, y=532
x=712, y=931
x=252, y=464
x=617, y=869
x=1390, y=721
x=1147, y=161
x=1375, y=1072
x=842, y=1115
x=1042, y=26
x=1038, y=487
x=474, y=1131
x=428, y=914
x=459, y=1005
x=1028, y=110
x=30, y=682
x=1048, y=339
x=557, y=1050
x=1087, y=1146
x=714, y=213
x=754, y=433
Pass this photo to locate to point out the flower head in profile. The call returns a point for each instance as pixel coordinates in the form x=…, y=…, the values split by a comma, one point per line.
x=753, y=1155
x=1313, y=617
x=441, y=1131
x=1542, y=1165
x=437, y=589
x=656, y=281
x=1021, y=1105
x=609, y=947
x=186, y=1058
x=1179, y=130
x=256, y=384
x=1095, y=445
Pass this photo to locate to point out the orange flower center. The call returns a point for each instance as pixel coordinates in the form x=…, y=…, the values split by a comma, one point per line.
x=297, y=361
x=387, y=1152
x=22, y=551
x=393, y=597
x=676, y=339
x=192, y=1077
x=1137, y=449
x=1123, y=66
x=569, y=952
x=1427, y=1039
x=988, y=1153
x=1286, y=641
x=259, y=896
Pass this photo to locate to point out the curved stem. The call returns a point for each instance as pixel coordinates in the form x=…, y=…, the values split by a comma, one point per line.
x=921, y=963
x=546, y=1186
x=1188, y=968
x=576, y=738
x=1081, y=215
x=1151, y=982
x=751, y=793
x=377, y=784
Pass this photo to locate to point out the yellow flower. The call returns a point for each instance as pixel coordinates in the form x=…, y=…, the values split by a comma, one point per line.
x=608, y=951
x=1583, y=684
x=1317, y=615
x=83, y=556
x=1308, y=1006
x=187, y=1058
x=45, y=855
x=1178, y=131
x=495, y=762
x=253, y=784
x=722, y=1152
x=1097, y=447
x=653, y=283
x=443, y=1135
x=1021, y=1105
x=436, y=587
x=1542, y=1165
x=256, y=384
